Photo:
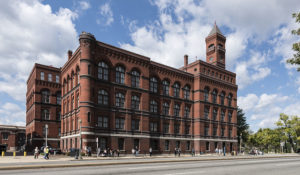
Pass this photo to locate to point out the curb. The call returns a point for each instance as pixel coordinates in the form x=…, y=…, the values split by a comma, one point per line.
x=128, y=163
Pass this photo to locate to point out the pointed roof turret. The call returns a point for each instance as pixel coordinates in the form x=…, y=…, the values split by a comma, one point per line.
x=215, y=30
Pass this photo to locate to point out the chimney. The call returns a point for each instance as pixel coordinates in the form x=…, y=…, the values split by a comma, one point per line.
x=186, y=60
x=69, y=54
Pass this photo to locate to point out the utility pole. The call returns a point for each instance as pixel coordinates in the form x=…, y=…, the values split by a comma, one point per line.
x=241, y=136
x=46, y=127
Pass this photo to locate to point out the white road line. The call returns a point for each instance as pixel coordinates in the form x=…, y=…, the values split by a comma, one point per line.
x=186, y=173
x=136, y=168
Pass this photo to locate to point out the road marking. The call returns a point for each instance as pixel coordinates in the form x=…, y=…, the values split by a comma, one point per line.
x=185, y=173
x=135, y=168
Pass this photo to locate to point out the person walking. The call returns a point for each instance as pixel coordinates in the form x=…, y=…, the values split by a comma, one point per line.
x=118, y=152
x=193, y=152
x=179, y=151
x=36, y=153
x=175, y=152
x=150, y=151
x=47, y=153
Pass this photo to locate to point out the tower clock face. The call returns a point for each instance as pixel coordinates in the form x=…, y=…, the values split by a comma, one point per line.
x=211, y=59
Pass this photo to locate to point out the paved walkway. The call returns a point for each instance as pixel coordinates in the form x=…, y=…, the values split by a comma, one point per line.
x=29, y=162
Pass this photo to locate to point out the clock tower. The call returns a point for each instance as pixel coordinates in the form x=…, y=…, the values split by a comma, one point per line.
x=215, y=47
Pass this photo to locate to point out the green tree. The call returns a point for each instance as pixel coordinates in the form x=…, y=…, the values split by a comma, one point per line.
x=290, y=127
x=296, y=46
x=242, y=126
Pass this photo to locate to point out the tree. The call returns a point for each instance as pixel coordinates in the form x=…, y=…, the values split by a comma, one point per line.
x=242, y=126
x=290, y=126
x=296, y=46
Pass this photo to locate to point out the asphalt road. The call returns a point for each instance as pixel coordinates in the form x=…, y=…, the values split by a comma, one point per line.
x=280, y=166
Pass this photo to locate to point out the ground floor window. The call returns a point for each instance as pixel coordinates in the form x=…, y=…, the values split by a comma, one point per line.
x=121, y=144
x=103, y=143
x=188, y=145
x=216, y=145
x=177, y=144
x=136, y=144
x=154, y=144
x=167, y=143
x=207, y=146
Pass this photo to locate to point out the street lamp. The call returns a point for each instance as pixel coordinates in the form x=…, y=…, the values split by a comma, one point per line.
x=80, y=142
x=46, y=127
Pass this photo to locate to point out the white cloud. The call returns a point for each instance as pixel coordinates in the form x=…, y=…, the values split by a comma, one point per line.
x=32, y=33
x=84, y=5
x=107, y=14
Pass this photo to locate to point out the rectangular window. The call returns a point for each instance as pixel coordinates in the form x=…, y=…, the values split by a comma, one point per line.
x=153, y=126
x=42, y=76
x=120, y=143
x=186, y=111
x=230, y=133
x=57, y=79
x=187, y=129
x=154, y=144
x=89, y=117
x=120, y=123
x=5, y=136
x=102, y=122
x=206, y=112
x=103, y=144
x=166, y=128
x=135, y=124
x=188, y=145
x=176, y=128
x=89, y=69
x=215, y=131
x=207, y=146
x=59, y=132
x=49, y=77
x=222, y=132
x=167, y=143
x=206, y=129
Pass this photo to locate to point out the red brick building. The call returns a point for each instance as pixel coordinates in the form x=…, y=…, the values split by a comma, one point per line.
x=43, y=103
x=12, y=138
x=129, y=101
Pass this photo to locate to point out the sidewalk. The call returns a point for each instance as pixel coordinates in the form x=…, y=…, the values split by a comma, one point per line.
x=21, y=162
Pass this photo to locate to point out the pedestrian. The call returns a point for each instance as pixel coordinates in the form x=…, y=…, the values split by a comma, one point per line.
x=175, y=152
x=179, y=151
x=216, y=151
x=224, y=151
x=193, y=152
x=36, y=153
x=133, y=151
x=98, y=152
x=118, y=152
x=150, y=151
x=47, y=153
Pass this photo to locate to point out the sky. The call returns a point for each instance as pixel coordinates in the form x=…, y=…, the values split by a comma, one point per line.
x=258, y=33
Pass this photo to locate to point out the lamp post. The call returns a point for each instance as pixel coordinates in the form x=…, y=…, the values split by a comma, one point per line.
x=241, y=139
x=46, y=127
x=80, y=142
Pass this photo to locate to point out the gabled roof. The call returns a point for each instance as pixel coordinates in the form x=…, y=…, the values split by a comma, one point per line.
x=215, y=30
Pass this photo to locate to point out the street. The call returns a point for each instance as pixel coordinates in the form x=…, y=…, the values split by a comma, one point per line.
x=278, y=166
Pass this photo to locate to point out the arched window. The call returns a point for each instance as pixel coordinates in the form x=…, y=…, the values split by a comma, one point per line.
x=229, y=116
x=176, y=110
x=206, y=112
x=153, y=106
x=176, y=88
x=222, y=97
x=102, y=97
x=135, y=102
x=166, y=108
x=58, y=98
x=45, y=114
x=120, y=99
x=187, y=111
x=229, y=99
x=215, y=113
x=120, y=75
x=206, y=92
x=222, y=115
x=165, y=85
x=102, y=71
x=135, y=78
x=45, y=96
x=153, y=84
x=214, y=96
x=186, y=92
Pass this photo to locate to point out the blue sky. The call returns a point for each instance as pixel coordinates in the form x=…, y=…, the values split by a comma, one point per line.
x=258, y=43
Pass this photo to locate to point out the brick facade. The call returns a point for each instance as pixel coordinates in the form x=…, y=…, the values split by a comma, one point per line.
x=12, y=137
x=125, y=100
x=43, y=107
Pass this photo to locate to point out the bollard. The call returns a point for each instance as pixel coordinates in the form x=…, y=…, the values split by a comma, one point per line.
x=3, y=154
x=25, y=153
x=14, y=154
